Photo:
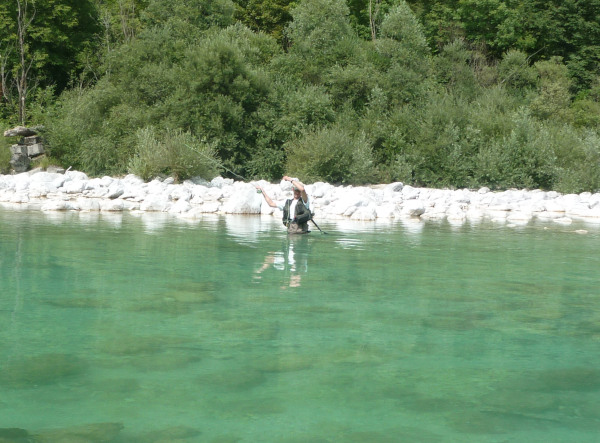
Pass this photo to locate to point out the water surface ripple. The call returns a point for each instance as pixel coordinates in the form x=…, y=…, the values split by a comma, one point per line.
x=142, y=328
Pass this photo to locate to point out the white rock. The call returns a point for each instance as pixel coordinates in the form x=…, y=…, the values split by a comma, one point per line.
x=409, y=193
x=76, y=175
x=245, y=200
x=88, y=204
x=115, y=190
x=413, y=208
x=213, y=194
x=19, y=197
x=181, y=193
x=220, y=182
x=74, y=186
x=114, y=205
x=210, y=207
x=21, y=181
x=55, y=205
x=553, y=206
x=132, y=179
x=365, y=213
x=155, y=203
x=385, y=211
x=180, y=206
x=318, y=189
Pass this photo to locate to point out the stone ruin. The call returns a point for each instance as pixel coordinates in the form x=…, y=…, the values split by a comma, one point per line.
x=30, y=146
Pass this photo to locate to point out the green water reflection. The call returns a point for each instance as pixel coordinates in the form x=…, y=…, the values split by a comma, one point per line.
x=143, y=328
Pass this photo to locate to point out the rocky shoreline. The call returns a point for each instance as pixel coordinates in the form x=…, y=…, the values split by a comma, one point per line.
x=75, y=191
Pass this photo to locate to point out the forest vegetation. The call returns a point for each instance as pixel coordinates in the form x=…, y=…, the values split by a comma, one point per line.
x=452, y=93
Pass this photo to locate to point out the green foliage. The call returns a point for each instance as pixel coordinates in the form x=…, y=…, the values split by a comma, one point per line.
x=404, y=56
x=453, y=69
x=577, y=159
x=174, y=153
x=269, y=16
x=318, y=29
x=59, y=33
x=4, y=153
x=461, y=93
x=191, y=15
x=515, y=72
x=553, y=99
x=522, y=159
x=332, y=154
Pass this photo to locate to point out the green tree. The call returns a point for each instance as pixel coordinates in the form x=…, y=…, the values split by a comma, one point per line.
x=42, y=44
x=553, y=97
x=269, y=16
x=404, y=56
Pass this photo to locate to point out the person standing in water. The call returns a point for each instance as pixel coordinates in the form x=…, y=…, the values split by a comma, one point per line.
x=296, y=211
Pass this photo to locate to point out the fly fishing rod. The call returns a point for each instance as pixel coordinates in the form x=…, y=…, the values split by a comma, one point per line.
x=315, y=223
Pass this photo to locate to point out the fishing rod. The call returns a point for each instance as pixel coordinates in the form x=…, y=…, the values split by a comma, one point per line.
x=315, y=223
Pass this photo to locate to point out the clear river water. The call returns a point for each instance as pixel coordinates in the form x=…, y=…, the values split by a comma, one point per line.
x=145, y=328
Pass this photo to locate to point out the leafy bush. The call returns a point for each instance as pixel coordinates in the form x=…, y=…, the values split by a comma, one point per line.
x=578, y=159
x=332, y=154
x=4, y=154
x=174, y=153
x=522, y=159
x=514, y=71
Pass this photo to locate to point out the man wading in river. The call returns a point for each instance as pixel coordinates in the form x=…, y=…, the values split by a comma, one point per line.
x=296, y=211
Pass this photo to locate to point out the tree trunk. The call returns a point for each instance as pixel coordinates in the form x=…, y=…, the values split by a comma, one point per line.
x=23, y=23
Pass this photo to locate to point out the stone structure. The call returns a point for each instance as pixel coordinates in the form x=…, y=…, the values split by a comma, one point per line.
x=27, y=148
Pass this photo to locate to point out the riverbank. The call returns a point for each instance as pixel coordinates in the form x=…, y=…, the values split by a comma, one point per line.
x=75, y=191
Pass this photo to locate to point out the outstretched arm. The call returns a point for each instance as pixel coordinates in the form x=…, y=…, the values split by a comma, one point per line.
x=270, y=202
x=298, y=185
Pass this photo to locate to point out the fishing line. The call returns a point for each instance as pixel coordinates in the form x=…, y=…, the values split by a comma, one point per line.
x=220, y=165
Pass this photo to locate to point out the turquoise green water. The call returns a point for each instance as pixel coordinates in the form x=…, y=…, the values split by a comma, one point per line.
x=227, y=330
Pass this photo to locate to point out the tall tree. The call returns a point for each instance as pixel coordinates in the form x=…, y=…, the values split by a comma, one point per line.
x=43, y=44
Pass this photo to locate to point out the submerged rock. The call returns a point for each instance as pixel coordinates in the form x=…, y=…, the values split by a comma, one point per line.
x=41, y=370
x=89, y=433
x=14, y=435
x=173, y=434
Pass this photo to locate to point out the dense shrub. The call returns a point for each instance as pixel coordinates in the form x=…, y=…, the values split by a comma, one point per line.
x=524, y=158
x=333, y=154
x=173, y=153
x=4, y=154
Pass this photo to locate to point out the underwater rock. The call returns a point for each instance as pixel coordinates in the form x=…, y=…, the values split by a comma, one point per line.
x=248, y=330
x=287, y=363
x=171, y=435
x=179, y=299
x=14, y=435
x=496, y=422
x=225, y=439
x=241, y=406
x=79, y=302
x=564, y=379
x=128, y=345
x=241, y=380
x=167, y=361
x=41, y=370
x=89, y=433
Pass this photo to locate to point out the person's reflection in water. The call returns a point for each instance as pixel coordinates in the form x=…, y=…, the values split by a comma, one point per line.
x=292, y=260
